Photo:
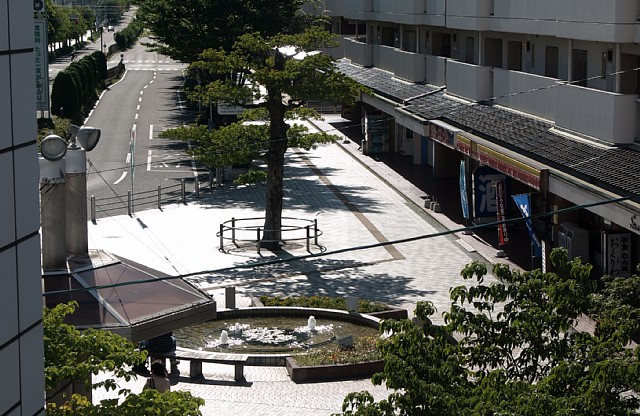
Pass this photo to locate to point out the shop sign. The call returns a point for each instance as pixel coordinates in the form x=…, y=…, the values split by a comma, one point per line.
x=41, y=54
x=484, y=192
x=524, y=173
x=226, y=109
x=617, y=254
x=442, y=135
x=464, y=145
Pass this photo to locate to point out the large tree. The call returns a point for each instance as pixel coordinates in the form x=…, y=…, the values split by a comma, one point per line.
x=507, y=348
x=275, y=74
x=183, y=29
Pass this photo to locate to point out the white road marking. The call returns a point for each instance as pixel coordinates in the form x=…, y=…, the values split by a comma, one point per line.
x=138, y=107
x=124, y=174
x=136, y=117
x=150, y=131
x=149, y=161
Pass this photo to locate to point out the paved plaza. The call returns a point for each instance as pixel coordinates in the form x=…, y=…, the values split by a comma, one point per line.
x=358, y=204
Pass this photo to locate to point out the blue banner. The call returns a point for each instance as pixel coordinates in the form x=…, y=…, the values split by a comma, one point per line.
x=524, y=204
x=463, y=190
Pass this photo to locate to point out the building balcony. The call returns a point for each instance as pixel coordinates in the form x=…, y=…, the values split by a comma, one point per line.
x=469, y=15
x=572, y=19
x=607, y=116
x=604, y=115
x=358, y=9
x=358, y=52
x=334, y=7
x=469, y=81
x=406, y=65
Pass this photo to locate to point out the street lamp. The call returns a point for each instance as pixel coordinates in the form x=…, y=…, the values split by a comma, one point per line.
x=52, y=203
x=63, y=195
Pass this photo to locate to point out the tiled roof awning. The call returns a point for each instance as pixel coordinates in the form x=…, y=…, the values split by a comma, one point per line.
x=612, y=168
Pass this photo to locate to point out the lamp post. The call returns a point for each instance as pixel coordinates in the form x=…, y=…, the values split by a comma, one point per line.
x=52, y=202
x=63, y=193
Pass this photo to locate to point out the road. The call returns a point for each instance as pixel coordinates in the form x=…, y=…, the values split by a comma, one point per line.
x=147, y=100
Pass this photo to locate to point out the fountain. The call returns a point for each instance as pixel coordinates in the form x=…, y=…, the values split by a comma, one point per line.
x=271, y=334
x=224, y=337
x=311, y=323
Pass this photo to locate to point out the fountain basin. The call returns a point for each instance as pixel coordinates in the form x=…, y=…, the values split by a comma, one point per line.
x=279, y=358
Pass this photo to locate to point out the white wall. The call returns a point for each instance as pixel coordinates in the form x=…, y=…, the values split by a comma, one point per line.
x=536, y=98
x=607, y=116
x=469, y=81
x=21, y=337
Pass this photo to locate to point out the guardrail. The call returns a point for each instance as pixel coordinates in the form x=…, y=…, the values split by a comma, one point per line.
x=157, y=197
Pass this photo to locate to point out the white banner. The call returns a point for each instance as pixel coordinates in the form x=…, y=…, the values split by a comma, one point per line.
x=42, y=64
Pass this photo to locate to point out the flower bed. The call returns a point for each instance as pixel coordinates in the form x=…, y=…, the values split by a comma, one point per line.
x=331, y=372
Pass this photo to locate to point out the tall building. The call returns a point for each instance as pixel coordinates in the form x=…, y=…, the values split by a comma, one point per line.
x=21, y=336
x=537, y=98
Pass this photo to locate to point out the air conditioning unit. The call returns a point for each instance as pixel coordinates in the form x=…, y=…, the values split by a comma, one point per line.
x=575, y=239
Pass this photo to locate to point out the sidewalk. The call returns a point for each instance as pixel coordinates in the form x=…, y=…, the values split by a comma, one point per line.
x=355, y=207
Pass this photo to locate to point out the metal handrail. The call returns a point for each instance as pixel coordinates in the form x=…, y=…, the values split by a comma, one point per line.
x=311, y=233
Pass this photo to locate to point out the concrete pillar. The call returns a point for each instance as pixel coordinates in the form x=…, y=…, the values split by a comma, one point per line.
x=52, y=207
x=76, y=201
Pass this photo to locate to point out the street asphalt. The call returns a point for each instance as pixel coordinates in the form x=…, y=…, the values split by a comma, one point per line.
x=358, y=203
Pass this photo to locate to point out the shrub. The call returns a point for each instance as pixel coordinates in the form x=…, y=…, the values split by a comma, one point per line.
x=65, y=96
x=324, y=302
x=364, y=350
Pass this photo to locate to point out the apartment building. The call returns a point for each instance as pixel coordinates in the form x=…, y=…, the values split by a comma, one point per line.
x=21, y=335
x=537, y=98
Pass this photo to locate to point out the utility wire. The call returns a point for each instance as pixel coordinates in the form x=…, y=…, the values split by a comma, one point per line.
x=348, y=249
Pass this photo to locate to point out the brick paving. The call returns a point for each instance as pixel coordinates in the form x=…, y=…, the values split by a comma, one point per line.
x=357, y=202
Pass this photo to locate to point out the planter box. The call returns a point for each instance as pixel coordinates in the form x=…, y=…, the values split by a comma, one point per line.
x=391, y=314
x=300, y=374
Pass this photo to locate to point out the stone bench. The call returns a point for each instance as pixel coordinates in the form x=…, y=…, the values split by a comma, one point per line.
x=196, y=358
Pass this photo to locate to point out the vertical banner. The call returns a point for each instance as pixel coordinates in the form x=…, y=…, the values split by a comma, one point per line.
x=616, y=260
x=463, y=190
x=523, y=201
x=503, y=236
x=41, y=54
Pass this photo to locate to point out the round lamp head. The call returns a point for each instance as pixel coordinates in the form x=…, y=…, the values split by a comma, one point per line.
x=53, y=147
x=88, y=138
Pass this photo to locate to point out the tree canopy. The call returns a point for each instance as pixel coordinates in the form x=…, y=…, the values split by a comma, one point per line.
x=507, y=347
x=275, y=75
x=73, y=356
x=182, y=29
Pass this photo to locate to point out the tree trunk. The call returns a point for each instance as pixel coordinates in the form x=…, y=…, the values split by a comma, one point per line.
x=275, y=173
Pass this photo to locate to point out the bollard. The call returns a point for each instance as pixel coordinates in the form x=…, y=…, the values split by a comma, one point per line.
x=352, y=303
x=233, y=230
x=221, y=248
x=93, y=208
x=182, y=192
x=230, y=297
x=308, y=238
x=129, y=207
x=258, y=240
x=315, y=231
x=197, y=186
x=159, y=197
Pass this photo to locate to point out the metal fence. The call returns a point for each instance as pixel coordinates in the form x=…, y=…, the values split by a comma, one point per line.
x=130, y=203
x=243, y=232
